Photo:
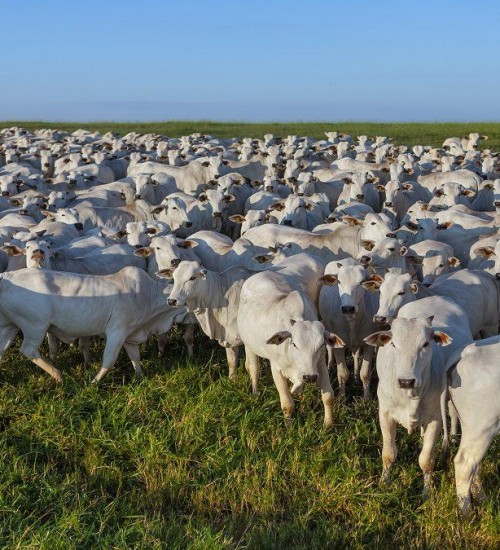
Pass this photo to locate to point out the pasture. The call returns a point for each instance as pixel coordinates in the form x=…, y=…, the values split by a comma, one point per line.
x=403, y=133
x=186, y=458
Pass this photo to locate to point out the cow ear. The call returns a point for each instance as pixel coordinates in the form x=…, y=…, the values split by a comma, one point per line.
x=206, y=163
x=379, y=338
x=441, y=338
x=152, y=230
x=367, y=244
x=407, y=186
x=15, y=202
x=333, y=341
x=468, y=193
x=309, y=206
x=438, y=193
x=187, y=244
x=425, y=206
x=277, y=206
x=292, y=322
x=237, y=218
x=262, y=258
x=445, y=225
x=203, y=273
x=279, y=337
x=351, y=220
x=40, y=233
x=403, y=251
x=414, y=287
x=328, y=280
x=143, y=252
x=119, y=234
x=165, y=273
x=485, y=251
x=370, y=285
x=380, y=188
x=159, y=209
x=12, y=250
x=203, y=197
x=347, y=180
x=229, y=198
x=453, y=261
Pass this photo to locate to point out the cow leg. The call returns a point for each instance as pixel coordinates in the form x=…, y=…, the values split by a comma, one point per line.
x=252, y=364
x=452, y=411
x=134, y=355
x=366, y=370
x=189, y=339
x=326, y=392
x=470, y=453
x=53, y=346
x=29, y=348
x=389, y=449
x=342, y=371
x=426, y=457
x=84, y=345
x=162, y=342
x=232, y=355
x=355, y=357
x=114, y=344
x=286, y=398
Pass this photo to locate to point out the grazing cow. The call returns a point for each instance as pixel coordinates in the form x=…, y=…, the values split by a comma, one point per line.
x=347, y=308
x=278, y=321
x=424, y=341
x=125, y=307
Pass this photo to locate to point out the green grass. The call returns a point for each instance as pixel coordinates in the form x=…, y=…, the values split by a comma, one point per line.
x=187, y=458
x=403, y=133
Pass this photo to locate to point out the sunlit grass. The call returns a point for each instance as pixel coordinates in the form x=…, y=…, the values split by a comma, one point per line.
x=188, y=458
x=403, y=133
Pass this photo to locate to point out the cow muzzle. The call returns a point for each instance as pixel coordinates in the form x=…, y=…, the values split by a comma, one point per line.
x=360, y=197
x=78, y=226
x=172, y=302
x=349, y=310
x=175, y=262
x=38, y=254
x=287, y=222
x=388, y=204
x=310, y=378
x=187, y=224
x=365, y=260
x=217, y=214
x=380, y=319
x=407, y=383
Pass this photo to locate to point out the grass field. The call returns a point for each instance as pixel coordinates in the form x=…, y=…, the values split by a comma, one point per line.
x=403, y=133
x=186, y=458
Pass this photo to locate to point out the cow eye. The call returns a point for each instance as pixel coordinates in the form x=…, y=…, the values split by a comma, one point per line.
x=401, y=293
x=192, y=278
x=441, y=265
x=391, y=249
x=293, y=344
x=373, y=223
x=426, y=344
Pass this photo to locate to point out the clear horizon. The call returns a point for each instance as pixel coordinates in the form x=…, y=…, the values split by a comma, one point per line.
x=323, y=61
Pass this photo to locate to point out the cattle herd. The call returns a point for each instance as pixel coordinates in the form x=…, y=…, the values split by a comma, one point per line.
x=299, y=250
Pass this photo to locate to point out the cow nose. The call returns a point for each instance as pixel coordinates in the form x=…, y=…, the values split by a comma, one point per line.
x=360, y=197
x=348, y=309
x=287, y=222
x=46, y=165
x=380, y=319
x=406, y=383
x=389, y=204
x=427, y=285
x=217, y=214
x=300, y=194
x=78, y=226
x=5, y=193
x=365, y=259
x=137, y=196
x=496, y=203
x=498, y=276
x=175, y=262
x=171, y=302
x=274, y=165
x=188, y=224
x=310, y=378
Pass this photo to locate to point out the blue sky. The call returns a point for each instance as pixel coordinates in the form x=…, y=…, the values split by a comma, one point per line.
x=250, y=60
